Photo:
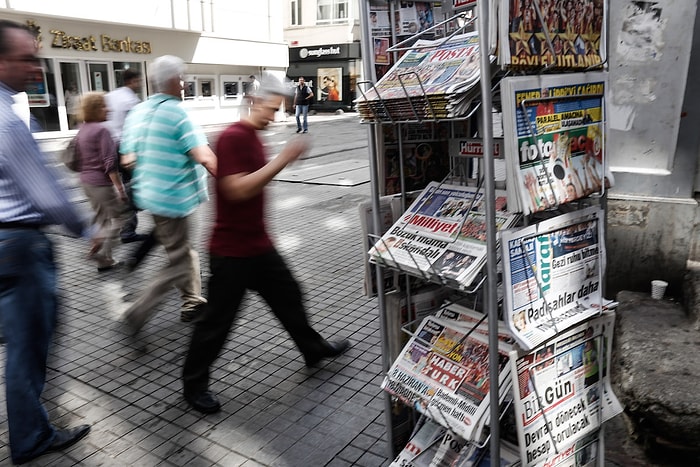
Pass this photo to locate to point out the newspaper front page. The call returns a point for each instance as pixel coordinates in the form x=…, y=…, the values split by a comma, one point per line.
x=442, y=235
x=562, y=391
x=444, y=373
x=571, y=35
x=555, y=146
x=553, y=273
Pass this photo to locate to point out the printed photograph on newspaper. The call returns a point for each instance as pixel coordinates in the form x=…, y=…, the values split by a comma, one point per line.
x=562, y=394
x=444, y=373
x=564, y=34
x=556, y=149
x=552, y=275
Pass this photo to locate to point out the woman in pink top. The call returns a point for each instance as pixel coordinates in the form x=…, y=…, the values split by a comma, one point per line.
x=99, y=176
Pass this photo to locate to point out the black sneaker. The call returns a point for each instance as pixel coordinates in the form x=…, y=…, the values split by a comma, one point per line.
x=299, y=130
x=205, y=402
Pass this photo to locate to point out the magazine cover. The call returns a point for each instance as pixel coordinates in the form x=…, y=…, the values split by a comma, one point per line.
x=562, y=393
x=570, y=34
x=442, y=236
x=444, y=373
x=555, y=138
x=552, y=275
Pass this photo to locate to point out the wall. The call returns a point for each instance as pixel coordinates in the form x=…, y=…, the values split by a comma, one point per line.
x=653, y=219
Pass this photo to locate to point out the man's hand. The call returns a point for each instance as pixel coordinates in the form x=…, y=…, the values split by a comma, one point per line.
x=294, y=149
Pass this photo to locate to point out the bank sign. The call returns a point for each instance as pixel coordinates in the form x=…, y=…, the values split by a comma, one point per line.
x=324, y=52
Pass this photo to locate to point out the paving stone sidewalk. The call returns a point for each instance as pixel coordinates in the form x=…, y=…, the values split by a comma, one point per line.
x=275, y=411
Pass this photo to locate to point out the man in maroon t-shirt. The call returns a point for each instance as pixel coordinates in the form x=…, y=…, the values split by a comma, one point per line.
x=242, y=255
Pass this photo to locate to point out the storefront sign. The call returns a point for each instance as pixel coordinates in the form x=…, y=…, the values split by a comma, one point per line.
x=324, y=52
x=63, y=40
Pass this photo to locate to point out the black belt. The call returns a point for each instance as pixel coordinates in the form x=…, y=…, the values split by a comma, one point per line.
x=19, y=225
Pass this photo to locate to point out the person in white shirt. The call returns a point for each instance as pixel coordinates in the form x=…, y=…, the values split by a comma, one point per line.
x=119, y=103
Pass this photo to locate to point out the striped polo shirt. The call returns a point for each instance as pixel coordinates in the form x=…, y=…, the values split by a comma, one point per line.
x=166, y=181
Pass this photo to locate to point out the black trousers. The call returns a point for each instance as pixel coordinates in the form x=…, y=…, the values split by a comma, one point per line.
x=269, y=276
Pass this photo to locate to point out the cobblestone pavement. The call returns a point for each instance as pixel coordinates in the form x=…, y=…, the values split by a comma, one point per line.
x=275, y=412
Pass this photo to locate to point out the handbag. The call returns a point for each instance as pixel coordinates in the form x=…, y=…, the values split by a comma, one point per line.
x=70, y=156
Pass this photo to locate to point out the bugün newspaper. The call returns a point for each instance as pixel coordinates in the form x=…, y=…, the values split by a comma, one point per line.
x=555, y=146
x=444, y=373
x=442, y=236
x=552, y=275
x=571, y=35
x=562, y=393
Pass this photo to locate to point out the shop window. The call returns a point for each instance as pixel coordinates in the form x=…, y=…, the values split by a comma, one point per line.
x=230, y=89
x=121, y=67
x=332, y=12
x=189, y=90
x=99, y=77
x=296, y=12
x=41, y=92
x=205, y=88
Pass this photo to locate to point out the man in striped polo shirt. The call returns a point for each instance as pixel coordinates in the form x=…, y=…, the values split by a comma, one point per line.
x=168, y=153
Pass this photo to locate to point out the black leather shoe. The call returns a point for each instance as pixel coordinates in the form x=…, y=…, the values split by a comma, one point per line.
x=205, y=402
x=330, y=350
x=134, y=238
x=62, y=440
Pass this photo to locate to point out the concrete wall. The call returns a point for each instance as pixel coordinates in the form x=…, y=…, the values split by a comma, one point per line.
x=652, y=225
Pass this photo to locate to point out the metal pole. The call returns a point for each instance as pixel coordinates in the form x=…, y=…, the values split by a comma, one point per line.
x=367, y=64
x=489, y=192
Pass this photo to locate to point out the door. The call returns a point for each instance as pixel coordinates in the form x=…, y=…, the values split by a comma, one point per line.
x=99, y=77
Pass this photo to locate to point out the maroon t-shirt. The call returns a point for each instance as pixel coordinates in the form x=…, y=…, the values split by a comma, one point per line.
x=239, y=230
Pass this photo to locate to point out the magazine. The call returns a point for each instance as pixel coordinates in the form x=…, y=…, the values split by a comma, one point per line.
x=570, y=35
x=555, y=138
x=442, y=236
x=552, y=275
x=562, y=392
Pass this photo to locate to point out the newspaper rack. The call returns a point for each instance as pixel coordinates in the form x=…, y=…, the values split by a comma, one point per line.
x=381, y=112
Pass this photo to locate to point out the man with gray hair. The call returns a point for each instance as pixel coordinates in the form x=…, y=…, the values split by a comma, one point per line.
x=168, y=154
x=242, y=255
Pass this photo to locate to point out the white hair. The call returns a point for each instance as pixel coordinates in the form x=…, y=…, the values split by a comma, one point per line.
x=165, y=68
x=270, y=85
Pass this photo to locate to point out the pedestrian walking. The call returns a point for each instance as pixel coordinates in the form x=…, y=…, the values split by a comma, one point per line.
x=302, y=98
x=30, y=198
x=168, y=154
x=99, y=176
x=242, y=255
x=119, y=103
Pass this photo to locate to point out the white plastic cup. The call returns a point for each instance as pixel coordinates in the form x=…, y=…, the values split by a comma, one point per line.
x=658, y=289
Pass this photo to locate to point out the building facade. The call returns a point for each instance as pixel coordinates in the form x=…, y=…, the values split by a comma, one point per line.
x=324, y=48
x=87, y=45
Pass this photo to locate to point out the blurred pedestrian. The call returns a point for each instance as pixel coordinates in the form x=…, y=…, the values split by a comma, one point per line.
x=99, y=176
x=242, y=255
x=168, y=154
x=302, y=98
x=30, y=198
x=119, y=103
x=72, y=99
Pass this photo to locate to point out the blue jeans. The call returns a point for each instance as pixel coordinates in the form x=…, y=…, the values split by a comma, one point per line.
x=302, y=110
x=28, y=317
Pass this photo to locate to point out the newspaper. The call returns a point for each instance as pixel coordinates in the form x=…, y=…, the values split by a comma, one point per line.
x=562, y=391
x=442, y=236
x=444, y=373
x=386, y=218
x=425, y=80
x=471, y=319
x=555, y=147
x=552, y=275
x=571, y=35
